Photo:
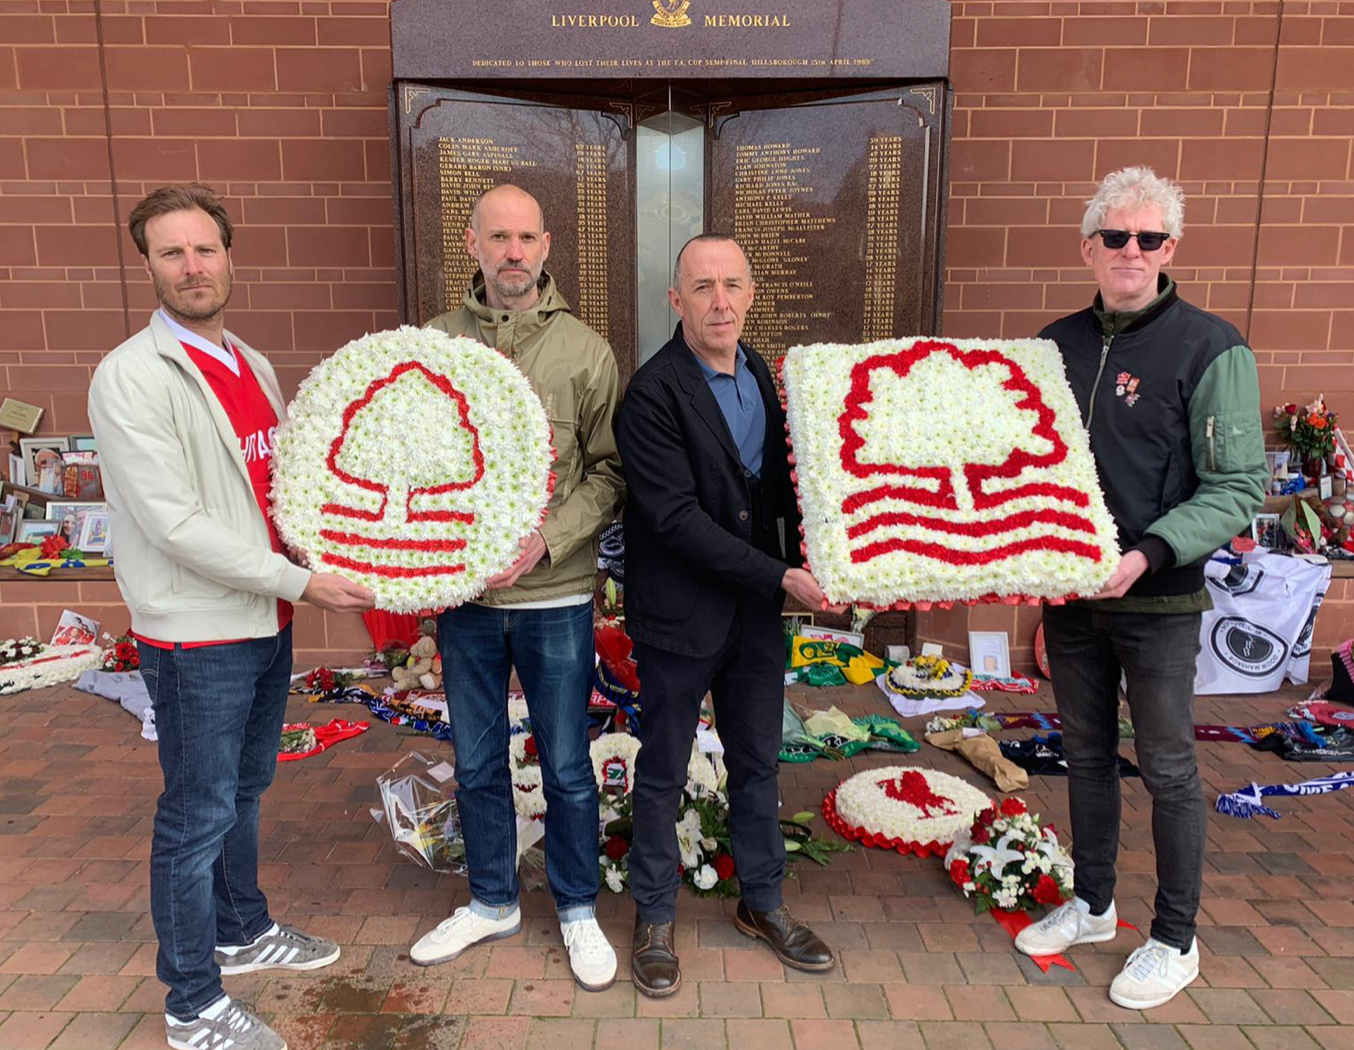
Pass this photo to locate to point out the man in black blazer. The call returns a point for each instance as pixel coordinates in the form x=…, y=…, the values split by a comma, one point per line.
x=712, y=548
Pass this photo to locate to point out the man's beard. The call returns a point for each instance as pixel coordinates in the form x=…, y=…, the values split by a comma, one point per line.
x=180, y=305
x=508, y=288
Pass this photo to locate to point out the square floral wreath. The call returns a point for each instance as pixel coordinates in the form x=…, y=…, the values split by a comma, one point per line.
x=945, y=471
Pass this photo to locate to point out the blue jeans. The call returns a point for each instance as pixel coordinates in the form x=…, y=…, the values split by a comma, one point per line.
x=218, y=716
x=1087, y=649
x=553, y=652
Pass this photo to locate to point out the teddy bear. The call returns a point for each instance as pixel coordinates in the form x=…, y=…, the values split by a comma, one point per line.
x=423, y=670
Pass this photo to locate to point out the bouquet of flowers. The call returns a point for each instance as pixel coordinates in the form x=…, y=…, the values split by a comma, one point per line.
x=1309, y=429
x=1007, y=860
x=121, y=655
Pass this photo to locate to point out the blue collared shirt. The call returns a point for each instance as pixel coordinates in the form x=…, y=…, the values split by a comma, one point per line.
x=740, y=401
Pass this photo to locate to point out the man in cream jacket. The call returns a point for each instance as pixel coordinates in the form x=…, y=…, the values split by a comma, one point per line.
x=185, y=415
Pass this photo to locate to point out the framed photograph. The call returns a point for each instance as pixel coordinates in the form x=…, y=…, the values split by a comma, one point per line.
x=94, y=532
x=1267, y=532
x=70, y=517
x=74, y=629
x=989, y=654
x=42, y=461
x=84, y=443
x=18, y=473
x=35, y=530
x=10, y=517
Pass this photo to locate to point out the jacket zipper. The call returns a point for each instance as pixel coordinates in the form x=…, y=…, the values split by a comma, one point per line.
x=1212, y=450
x=1104, y=353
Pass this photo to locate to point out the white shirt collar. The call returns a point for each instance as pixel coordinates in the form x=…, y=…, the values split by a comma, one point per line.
x=227, y=356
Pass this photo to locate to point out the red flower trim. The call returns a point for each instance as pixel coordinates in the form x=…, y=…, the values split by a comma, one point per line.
x=973, y=528
x=959, y=557
x=352, y=539
x=877, y=839
x=393, y=571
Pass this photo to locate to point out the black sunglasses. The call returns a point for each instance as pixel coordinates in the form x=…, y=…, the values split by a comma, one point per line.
x=1148, y=242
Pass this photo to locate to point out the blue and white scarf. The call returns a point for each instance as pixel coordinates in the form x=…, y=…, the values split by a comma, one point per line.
x=1246, y=803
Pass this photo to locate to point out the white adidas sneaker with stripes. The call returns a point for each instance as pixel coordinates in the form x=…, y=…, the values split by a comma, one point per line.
x=281, y=948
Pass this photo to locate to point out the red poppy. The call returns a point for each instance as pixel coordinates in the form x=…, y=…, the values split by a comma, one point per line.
x=1046, y=890
x=724, y=866
x=530, y=746
x=1013, y=807
x=959, y=873
x=617, y=847
x=52, y=546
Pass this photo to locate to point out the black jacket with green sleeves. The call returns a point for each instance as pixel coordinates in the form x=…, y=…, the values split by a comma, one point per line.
x=1171, y=398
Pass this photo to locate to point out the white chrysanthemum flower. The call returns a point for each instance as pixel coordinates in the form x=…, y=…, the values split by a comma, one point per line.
x=945, y=470
x=51, y=665
x=413, y=462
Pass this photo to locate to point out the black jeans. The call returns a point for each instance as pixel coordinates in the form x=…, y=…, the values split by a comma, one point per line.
x=1087, y=649
x=745, y=679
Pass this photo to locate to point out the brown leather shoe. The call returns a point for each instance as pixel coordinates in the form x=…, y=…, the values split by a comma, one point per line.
x=794, y=943
x=654, y=964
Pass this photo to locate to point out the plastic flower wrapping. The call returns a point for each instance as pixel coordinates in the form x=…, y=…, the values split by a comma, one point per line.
x=941, y=471
x=1007, y=860
x=413, y=462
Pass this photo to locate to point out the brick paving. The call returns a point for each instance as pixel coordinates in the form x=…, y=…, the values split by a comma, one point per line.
x=917, y=969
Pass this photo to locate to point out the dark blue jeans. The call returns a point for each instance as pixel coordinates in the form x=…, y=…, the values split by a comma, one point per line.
x=218, y=716
x=1087, y=649
x=553, y=652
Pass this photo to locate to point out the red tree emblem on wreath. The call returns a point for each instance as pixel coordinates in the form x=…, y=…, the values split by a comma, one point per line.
x=918, y=466
x=404, y=465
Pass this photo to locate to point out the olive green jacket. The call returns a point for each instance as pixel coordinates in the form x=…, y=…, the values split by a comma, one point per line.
x=573, y=371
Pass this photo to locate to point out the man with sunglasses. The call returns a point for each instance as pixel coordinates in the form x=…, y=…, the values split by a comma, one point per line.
x=1170, y=396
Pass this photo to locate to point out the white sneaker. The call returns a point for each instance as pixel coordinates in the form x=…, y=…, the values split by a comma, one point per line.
x=454, y=935
x=591, y=956
x=1063, y=927
x=1153, y=974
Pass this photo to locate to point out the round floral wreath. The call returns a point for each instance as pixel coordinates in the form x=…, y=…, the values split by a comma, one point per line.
x=611, y=751
x=905, y=809
x=50, y=665
x=413, y=462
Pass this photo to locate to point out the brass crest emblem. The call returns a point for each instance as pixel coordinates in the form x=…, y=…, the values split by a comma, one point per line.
x=670, y=14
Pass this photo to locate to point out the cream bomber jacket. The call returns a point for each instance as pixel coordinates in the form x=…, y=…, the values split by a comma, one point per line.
x=191, y=550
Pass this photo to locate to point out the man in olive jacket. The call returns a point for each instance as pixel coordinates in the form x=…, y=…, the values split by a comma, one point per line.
x=537, y=615
x=1170, y=396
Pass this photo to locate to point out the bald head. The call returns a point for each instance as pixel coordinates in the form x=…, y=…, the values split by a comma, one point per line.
x=507, y=238
x=509, y=195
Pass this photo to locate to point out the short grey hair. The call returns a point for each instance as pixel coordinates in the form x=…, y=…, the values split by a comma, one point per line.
x=1136, y=188
x=715, y=236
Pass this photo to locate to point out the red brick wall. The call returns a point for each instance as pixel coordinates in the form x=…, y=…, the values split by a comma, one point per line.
x=1049, y=97
x=282, y=106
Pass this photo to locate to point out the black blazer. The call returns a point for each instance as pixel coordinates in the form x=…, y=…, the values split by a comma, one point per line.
x=689, y=556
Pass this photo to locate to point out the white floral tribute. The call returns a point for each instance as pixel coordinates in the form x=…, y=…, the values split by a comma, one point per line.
x=1007, y=860
x=26, y=663
x=528, y=792
x=908, y=809
x=413, y=462
x=939, y=471
x=613, y=761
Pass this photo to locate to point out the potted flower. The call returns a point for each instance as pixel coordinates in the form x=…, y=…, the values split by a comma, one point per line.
x=1310, y=429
